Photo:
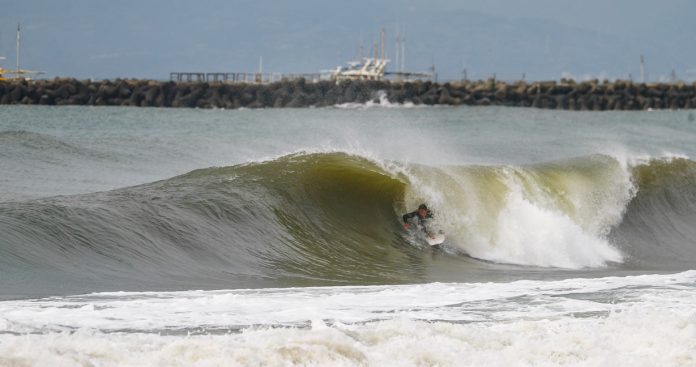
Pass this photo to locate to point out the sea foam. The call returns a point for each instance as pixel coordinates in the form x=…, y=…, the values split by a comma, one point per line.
x=574, y=322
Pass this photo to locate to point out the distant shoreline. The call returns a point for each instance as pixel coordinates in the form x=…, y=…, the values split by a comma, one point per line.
x=565, y=95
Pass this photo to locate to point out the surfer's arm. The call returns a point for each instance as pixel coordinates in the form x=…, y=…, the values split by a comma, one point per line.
x=407, y=217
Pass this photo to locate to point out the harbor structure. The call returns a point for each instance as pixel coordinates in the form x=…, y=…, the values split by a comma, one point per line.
x=372, y=68
x=244, y=77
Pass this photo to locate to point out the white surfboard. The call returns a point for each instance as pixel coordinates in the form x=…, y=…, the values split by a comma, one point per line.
x=435, y=239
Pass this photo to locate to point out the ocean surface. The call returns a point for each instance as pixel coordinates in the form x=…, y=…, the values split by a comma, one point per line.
x=273, y=237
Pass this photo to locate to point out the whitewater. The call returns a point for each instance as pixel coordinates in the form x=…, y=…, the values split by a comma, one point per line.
x=136, y=236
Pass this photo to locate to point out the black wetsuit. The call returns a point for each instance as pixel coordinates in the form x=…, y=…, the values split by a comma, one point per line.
x=421, y=221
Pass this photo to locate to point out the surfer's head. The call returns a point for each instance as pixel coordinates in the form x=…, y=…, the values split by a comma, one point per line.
x=422, y=210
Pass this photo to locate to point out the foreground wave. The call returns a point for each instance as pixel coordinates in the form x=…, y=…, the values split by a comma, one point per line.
x=333, y=218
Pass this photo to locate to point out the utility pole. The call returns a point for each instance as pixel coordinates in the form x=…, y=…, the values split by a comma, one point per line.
x=398, y=50
x=642, y=69
x=403, y=52
x=18, y=41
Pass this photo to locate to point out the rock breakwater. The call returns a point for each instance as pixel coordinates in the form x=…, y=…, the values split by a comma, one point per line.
x=564, y=94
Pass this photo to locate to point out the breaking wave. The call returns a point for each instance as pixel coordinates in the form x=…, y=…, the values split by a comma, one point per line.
x=334, y=218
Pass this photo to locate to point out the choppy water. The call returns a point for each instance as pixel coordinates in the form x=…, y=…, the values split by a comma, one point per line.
x=562, y=211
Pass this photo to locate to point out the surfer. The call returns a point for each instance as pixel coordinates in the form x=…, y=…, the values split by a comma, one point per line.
x=423, y=214
x=434, y=239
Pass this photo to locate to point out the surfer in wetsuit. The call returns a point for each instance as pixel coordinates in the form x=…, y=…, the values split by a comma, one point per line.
x=422, y=214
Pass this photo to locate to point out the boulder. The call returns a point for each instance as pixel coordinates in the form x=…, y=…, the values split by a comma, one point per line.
x=17, y=93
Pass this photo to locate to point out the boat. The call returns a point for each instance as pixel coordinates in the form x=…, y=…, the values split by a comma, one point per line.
x=366, y=68
x=374, y=68
x=17, y=73
x=2, y=71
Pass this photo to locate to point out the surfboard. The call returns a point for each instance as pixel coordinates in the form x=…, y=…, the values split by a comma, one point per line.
x=436, y=239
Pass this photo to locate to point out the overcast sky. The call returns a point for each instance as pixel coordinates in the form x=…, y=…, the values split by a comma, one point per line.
x=540, y=39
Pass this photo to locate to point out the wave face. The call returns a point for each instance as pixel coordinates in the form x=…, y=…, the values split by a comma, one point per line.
x=334, y=218
x=658, y=230
x=314, y=218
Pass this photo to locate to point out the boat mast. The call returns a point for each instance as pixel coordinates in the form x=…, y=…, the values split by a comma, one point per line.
x=398, y=49
x=382, y=46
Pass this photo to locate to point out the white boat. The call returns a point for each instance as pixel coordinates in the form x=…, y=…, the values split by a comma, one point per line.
x=366, y=68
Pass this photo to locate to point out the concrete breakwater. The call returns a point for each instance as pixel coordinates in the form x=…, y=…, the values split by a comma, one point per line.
x=567, y=95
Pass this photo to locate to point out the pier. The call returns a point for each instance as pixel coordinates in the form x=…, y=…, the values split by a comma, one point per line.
x=245, y=78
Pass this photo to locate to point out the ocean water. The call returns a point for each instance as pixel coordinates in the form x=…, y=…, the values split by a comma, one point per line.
x=136, y=236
